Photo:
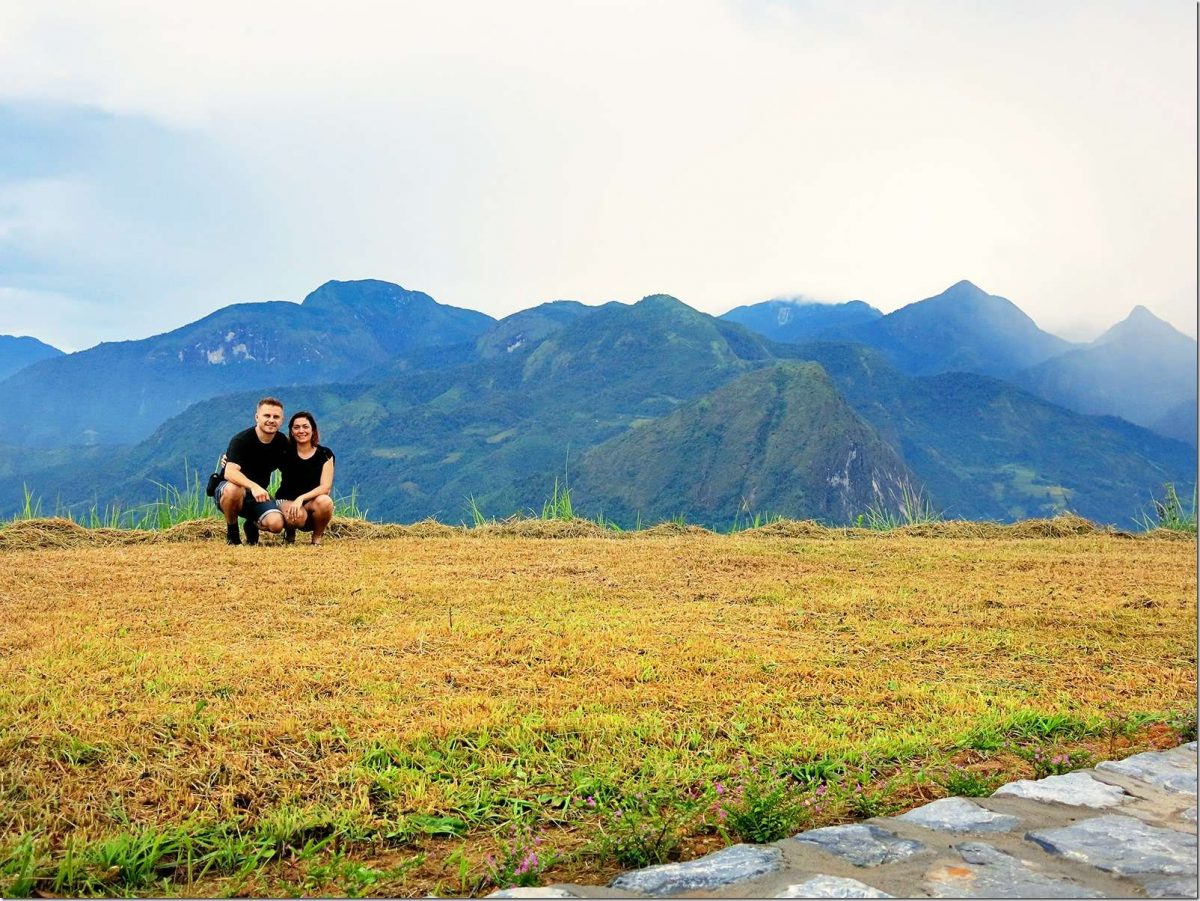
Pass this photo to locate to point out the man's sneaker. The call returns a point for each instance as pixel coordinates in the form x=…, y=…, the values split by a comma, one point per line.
x=231, y=533
x=251, y=532
x=289, y=535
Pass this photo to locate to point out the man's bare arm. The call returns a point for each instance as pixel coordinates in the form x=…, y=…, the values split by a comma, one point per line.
x=234, y=475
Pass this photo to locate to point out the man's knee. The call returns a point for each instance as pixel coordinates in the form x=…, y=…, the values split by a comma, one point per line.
x=230, y=499
x=323, y=505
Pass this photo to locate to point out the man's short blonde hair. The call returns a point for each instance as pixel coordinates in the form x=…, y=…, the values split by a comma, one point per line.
x=269, y=402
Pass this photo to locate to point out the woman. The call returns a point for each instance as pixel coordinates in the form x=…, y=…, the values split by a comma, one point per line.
x=303, y=493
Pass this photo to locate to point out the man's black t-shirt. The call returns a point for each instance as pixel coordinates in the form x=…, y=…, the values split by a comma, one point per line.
x=300, y=475
x=257, y=460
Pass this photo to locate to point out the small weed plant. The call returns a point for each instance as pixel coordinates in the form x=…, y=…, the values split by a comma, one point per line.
x=866, y=802
x=648, y=827
x=961, y=782
x=1049, y=763
x=521, y=861
x=1185, y=724
x=764, y=805
x=18, y=867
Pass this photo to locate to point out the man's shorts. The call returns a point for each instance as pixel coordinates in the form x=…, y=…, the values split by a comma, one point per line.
x=251, y=509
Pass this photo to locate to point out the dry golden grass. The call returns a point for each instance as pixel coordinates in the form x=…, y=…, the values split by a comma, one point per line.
x=149, y=681
x=48, y=533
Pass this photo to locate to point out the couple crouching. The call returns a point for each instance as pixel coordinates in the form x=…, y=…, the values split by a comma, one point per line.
x=303, y=500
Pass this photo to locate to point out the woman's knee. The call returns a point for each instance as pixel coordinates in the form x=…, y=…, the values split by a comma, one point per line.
x=272, y=522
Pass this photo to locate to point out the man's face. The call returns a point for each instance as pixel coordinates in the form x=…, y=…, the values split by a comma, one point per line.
x=268, y=418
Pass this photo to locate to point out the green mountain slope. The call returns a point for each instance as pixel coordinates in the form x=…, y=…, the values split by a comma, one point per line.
x=985, y=449
x=778, y=440
x=421, y=443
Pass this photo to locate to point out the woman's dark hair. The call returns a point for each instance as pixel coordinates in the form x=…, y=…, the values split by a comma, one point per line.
x=304, y=414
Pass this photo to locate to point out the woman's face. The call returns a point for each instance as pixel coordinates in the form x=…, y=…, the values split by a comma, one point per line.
x=301, y=431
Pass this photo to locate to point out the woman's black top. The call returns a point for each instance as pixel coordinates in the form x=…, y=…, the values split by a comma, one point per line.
x=300, y=475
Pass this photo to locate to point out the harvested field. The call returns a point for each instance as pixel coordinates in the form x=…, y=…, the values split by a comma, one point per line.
x=374, y=716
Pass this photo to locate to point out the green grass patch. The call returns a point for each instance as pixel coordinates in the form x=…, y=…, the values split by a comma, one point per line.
x=912, y=508
x=1169, y=512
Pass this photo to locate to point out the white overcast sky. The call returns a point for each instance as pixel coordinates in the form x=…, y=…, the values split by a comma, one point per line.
x=161, y=160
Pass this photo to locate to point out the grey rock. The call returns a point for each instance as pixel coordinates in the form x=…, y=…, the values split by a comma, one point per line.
x=535, y=891
x=1122, y=845
x=1188, y=750
x=1172, y=888
x=733, y=864
x=1168, y=770
x=1078, y=789
x=862, y=845
x=959, y=815
x=987, y=872
x=1189, y=815
x=1177, y=887
x=832, y=887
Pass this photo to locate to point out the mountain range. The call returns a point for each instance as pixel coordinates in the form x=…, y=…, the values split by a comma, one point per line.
x=1141, y=369
x=649, y=410
x=119, y=392
x=18, y=352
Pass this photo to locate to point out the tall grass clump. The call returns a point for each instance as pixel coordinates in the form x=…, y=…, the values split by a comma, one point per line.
x=175, y=505
x=1169, y=513
x=31, y=507
x=558, y=506
x=914, y=509
x=477, y=517
x=345, y=506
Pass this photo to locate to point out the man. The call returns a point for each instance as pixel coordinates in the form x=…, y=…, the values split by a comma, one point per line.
x=251, y=458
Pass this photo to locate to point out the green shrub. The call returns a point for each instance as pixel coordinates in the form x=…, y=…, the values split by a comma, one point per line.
x=965, y=784
x=764, y=805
